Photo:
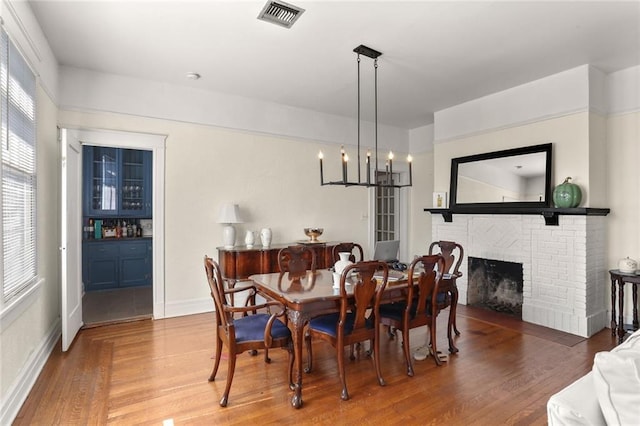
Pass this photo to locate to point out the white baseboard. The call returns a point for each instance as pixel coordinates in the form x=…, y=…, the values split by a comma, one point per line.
x=19, y=390
x=188, y=307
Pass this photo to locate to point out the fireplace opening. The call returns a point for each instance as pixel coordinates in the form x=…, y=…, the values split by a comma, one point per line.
x=496, y=285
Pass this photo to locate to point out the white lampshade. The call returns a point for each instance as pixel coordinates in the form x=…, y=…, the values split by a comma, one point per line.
x=229, y=213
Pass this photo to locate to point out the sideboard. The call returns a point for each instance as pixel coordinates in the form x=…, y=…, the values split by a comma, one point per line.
x=240, y=262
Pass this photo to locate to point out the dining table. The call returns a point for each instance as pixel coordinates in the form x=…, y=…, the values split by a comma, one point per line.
x=311, y=294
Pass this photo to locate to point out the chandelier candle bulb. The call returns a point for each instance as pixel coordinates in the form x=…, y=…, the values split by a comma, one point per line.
x=320, y=156
x=368, y=167
x=409, y=159
x=391, y=163
x=345, y=158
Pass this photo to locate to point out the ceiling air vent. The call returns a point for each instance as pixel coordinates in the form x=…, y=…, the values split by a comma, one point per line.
x=280, y=13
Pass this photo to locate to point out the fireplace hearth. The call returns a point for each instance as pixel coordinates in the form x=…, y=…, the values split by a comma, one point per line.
x=496, y=285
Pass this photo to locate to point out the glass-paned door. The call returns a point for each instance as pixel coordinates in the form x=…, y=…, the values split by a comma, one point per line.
x=386, y=226
x=134, y=184
x=103, y=186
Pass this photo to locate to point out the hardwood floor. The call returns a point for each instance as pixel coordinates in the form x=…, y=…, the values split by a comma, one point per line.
x=146, y=372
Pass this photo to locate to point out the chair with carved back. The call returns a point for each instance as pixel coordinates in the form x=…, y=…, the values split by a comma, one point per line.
x=452, y=253
x=361, y=291
x=252, y=331
x=297, y=260
x=422, y=304
x=348, y=247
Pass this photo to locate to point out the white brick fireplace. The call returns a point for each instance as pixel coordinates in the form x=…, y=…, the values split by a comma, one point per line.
x=564, y=273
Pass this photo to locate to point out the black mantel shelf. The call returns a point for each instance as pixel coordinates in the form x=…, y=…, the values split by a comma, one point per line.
x=550, y=214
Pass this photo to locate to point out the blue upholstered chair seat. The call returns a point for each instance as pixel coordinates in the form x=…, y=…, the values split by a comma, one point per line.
x=251, y=328
x=396, y=310
x=327, y=323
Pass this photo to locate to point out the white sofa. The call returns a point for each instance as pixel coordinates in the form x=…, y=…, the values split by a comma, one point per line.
x=608, y=395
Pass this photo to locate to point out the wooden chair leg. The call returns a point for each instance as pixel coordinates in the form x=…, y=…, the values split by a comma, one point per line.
x=376, y=358
x=266, y=356
x=406, y=348
x=307, y=341
x=230, y=370
x=434, y=349
x=343, y=380
x=216, y=363
x=452, y=347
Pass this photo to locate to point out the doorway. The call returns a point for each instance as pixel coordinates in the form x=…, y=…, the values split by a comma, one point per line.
x=118, y=233
x=153, y=297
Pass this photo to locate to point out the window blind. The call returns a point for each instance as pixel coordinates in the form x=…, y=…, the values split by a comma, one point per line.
x=18, y=92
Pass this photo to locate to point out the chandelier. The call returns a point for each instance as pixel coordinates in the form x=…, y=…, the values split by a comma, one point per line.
x=387, y=181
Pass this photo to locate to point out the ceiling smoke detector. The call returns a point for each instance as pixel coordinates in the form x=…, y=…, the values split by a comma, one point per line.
x=280, y=13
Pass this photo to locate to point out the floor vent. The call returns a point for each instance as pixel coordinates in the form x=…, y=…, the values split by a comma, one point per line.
x=280, y=13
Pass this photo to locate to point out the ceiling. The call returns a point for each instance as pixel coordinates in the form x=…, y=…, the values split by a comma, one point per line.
x=435, y=54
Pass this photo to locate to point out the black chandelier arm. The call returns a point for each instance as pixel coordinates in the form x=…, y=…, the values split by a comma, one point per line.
x=366, y=185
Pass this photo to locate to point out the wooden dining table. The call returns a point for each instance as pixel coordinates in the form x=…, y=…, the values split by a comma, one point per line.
x=312, y=294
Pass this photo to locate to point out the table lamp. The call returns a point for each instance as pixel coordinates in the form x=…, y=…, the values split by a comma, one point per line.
x=229, y=214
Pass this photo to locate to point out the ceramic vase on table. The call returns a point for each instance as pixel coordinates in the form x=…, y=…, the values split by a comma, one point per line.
x=249, y=239
x=265, y=237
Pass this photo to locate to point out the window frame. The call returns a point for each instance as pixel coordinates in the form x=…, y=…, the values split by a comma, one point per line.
x=24, y=166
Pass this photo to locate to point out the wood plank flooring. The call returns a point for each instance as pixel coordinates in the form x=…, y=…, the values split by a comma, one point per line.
x=146, y=372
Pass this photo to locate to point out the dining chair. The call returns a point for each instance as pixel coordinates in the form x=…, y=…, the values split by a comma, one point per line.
x=452, y=253
x=357, y=320
x=252, y=331
x=348, y=247
x=297, y=259
x=421, y=306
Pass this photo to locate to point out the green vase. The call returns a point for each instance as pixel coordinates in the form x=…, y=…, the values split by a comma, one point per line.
x=567, y=195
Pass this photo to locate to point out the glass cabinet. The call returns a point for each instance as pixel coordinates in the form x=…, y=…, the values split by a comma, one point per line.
x=102, y=180
x=136, y=186
x=117, y=182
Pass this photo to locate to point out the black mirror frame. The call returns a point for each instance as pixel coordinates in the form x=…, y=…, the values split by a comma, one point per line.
x=545, y=148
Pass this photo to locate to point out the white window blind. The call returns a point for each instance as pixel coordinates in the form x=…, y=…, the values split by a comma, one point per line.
x=18, y=87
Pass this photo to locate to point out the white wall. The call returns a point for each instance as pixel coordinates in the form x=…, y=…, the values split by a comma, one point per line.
x=421, y=143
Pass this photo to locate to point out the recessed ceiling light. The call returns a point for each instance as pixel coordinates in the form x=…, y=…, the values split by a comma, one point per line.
x=193, y=76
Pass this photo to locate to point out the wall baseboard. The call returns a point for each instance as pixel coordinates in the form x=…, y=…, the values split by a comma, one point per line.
x=19, y=390
x=188, y=307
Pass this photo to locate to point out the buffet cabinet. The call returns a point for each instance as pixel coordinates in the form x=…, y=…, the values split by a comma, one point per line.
x=111, y=263
x=239, y=263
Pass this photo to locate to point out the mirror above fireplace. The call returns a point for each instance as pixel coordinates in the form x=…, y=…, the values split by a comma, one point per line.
x=519, y=177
